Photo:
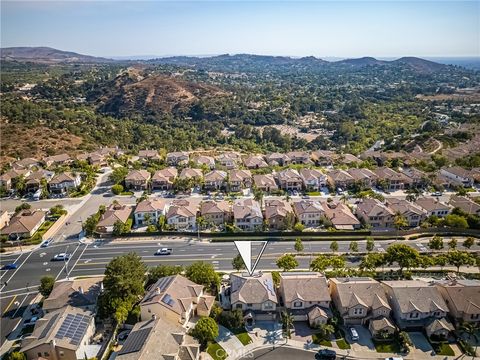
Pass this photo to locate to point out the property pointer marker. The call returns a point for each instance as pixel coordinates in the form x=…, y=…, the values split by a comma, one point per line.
x=245, y=250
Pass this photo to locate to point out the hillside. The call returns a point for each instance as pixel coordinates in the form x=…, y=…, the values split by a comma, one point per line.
x=135, y=92
x=47, y=55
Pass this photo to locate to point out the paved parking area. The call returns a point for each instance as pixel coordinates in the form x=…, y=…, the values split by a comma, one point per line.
x=364, y=342
x=420, y=343
x=302, y=332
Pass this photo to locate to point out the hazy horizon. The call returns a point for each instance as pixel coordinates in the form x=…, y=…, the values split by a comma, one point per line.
x=324, y=29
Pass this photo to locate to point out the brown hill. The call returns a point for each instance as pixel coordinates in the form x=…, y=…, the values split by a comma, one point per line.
x=134, y=92
x=46, y=55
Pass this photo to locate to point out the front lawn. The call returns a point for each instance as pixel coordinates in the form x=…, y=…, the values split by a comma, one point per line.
x=216, y=351
x=244, y=338
x=443, y=349
x=319, y=341
x=386, y=346
x=342, y=344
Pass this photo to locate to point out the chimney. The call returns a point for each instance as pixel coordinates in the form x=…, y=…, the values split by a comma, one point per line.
x=80, y=290
x=154, y=316
x=158, y=291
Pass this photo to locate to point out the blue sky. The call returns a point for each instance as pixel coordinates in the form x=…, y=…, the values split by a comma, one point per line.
x=295, y=28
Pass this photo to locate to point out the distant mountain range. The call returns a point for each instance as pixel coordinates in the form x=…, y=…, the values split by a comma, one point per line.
x=50, y=56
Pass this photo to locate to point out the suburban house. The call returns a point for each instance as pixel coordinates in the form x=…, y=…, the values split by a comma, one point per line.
x=203, y=160
x=390, y=180
x=189, y=173
x=137, y=179
x=290, y=180
x=239, y=179
x=228, y=160
x=176, y=299
x=359, y=300
x=159, y=339
x=413, y=213
x=265, y=183
x=339, y=179
x=215, y=180
x=465, y=204
x=57, y=160
x=177, y=158
x=306, y=296
x=374, y=213
x=33, y=182
x=279, y=214
x=458, y=176
x=26, y=163
x=113, y=214
x=349, y=159
x=433, y=207
x=24, y=224
x=462, y=298
x=216, y=212
x=64, y=182
x=324, y=157
x=414, y=303
x=182, y=215
x=148, y=155
x=4, y=218
x=382, y=326
x=255, y=295
x=247, y=214
x=309, y=212
x=255, y=162
x=277, y=159
x=439, y=327
x=62, y=334
x=80, y=293
x=148, y=211
x=340, y=216
x=163, y=179
x=299, y=157
x=313, y=179
x=363, y=177
x=417, y=178
x=8, y=179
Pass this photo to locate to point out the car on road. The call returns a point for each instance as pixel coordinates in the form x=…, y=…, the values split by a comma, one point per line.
x=354, y=334
x=61, y=257
x=163, y=251
x=394, y=358
x=9, y=267
x=30, y=321
x=326, y=354
x=437, y=193
x=46, y=243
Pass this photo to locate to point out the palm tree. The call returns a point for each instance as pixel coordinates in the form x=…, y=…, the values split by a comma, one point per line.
x=287, y=321
x=400, y=222
x=344, y=198
x=470, y=329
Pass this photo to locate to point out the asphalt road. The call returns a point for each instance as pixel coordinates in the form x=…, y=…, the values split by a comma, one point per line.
x=280, y=352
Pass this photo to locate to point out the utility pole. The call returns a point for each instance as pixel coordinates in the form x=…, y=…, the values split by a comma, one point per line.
x=66, y=262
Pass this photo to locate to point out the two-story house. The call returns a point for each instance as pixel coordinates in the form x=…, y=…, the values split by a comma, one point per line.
x=137, y=180
x=279, y=214
x=113, y=214
x=177, y=158
x=182, y=215
x=340, y=216
x=306, y=296
x=339, y=179
x=216, y=212
x=265, y=183
x=255, y=295
x=364, y=177
x=164, y=179
x=278, y=159
x=374, y=213
x=433, y=207
x=255, y=162
x=64, y=182
x=300, y=157
x=148, y=212
x=462, y=298
x=458, y=176
x=309, y=212
x=228, y=160
x=239, y=179
x=247, y=215
x=290, y=180
x=413, y=213
x=203, y=160
x=313, y=179
x=215, y=180
x=390, y=180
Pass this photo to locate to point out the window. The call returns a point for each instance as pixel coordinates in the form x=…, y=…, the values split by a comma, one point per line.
x=238, y=306
x=414, y=315
x=62, y=353
x=46, y=354
x=358, y=311
x=474, y=316
x=297, y=304
x=39, y=354
x=249, y=305
x=268, y=305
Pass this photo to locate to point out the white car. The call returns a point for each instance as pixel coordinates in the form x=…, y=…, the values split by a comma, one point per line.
x=354, y=334
x=163, y=251
x=61, y=257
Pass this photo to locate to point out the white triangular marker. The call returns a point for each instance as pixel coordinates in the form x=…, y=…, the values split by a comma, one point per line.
x=245, y=250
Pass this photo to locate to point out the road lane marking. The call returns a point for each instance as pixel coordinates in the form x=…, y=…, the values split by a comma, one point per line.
x=77, y=260
x=8, y=306
x=18, y=307
x=65, y=263
x=16, y=270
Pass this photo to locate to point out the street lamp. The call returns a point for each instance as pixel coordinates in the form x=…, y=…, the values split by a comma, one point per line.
x=66, y=262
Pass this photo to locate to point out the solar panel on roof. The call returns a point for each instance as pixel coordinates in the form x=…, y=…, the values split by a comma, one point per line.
x=163, y=283
x=167, y=299
x=135, y=341
x=73, y=327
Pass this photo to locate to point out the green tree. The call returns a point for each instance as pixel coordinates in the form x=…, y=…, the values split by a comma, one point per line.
x=287, y=262
x=46, y=285
x=334, y=246
x=469, y=242
x=370, y=244
x=161, y=271
x=16, y=355
x=237, y=263
x=205, y=330
x=436, y=243
x=320, y=263
x=400, y=222
x=325, y=331
x=441, y=260
x=353, y=246
x=119, y=228
x=426, y=261
x=204, y=274
x=460, y=258
x=118, y=175
x=287, y=324
x=372, y=261
x=404, y=255
x=117, y=189
x=456, y=221
x=452, y=244
x=298, y=245
x=299, y=227
x=337, y=262
x=258, y=194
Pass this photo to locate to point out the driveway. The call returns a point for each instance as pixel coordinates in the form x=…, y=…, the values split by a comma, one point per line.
x=420, y=343
x=270, y=332
x=364, y=342
x=302, y=332
x=227, y=340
